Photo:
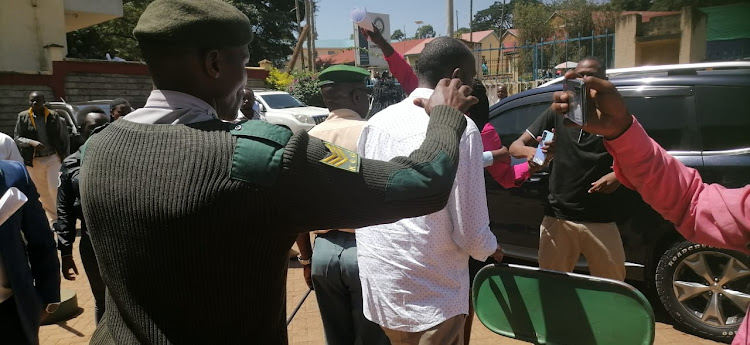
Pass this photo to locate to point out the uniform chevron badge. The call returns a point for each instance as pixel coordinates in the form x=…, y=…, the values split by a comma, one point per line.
x=341, y=158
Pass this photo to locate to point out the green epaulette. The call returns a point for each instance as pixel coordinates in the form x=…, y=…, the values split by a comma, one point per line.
x=258, y=154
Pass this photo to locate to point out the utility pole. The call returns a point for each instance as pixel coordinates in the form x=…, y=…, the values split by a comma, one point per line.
x=471, y=20
x=308, y=15
x=450, y=18
x=313, y=31
x=456, y=20
x=299, y=26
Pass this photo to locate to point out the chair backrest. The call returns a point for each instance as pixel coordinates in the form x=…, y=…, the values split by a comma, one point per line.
x=547, y=307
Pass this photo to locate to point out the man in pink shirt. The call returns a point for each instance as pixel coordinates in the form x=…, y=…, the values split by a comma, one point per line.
x=704, y=213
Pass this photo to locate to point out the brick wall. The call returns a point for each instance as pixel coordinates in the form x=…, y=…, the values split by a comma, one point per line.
x=82, y=87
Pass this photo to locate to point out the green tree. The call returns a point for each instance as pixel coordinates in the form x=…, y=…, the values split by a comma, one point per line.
x=531, y=20
x=676, y=5
x=274, y=23
x=425, y=31
x=398, y=35
x=461, y=31
x=494, y=18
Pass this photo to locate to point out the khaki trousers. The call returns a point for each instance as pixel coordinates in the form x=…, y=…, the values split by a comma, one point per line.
x=448, y=332
x=561, y=242
x=46, y=176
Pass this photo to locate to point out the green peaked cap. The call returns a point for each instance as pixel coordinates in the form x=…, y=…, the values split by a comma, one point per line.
x=342, y=74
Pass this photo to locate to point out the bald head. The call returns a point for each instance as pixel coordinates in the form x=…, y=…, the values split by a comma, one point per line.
x=351, y=96
x=36, y=101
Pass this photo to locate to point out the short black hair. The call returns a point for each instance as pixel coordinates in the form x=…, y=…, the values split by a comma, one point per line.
x=480, y=112
x=440, y=57
x=598, y=60
x=81, y=114
x=385, y=94
x=118, y=102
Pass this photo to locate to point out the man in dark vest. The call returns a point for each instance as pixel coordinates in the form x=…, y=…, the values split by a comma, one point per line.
x=180, y=263
x=42, y=137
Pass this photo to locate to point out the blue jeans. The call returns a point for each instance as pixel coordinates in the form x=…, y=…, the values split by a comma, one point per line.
x=335, y=276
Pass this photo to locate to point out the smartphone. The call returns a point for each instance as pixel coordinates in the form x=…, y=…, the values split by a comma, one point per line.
x=577, y=92
x=539, y=157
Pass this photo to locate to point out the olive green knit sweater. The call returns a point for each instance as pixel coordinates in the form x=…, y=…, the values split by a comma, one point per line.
x=192, y=256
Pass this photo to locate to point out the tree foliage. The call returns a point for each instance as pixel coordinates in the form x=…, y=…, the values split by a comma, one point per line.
x=274, y=23
x=461, y=31
x=398, y=35
x=494, y=18
x=425, y=31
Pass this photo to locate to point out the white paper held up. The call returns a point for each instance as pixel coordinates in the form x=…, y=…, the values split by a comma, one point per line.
x=359, y=16
x=11, y=201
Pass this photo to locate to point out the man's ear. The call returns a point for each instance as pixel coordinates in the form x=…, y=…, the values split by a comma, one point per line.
x=456, y=73
x=211, y=63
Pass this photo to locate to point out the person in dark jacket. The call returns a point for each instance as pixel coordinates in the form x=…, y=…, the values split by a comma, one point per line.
x=42, y=137
x=69, y=210
x=29, y=270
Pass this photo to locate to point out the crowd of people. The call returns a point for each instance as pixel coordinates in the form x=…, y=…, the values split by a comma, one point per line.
x=189, y=205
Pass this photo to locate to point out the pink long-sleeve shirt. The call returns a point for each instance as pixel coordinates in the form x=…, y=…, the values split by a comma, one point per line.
x=402, y=71
x=703, y=213
x=506, y=175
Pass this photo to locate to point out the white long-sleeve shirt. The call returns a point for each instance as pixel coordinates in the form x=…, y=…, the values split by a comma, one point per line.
x=415, y=272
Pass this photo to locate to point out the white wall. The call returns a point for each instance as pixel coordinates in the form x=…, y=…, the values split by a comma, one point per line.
x=26, y=26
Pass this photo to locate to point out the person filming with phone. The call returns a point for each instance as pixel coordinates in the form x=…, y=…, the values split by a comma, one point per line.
x=709, y=214
x=580, y=211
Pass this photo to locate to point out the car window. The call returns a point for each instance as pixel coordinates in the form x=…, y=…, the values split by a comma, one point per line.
x=281, y=101
x=512, y=123
x=665, y=118
x=723, y=119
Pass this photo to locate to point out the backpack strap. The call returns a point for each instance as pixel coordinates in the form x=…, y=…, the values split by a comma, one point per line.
x=258, y=153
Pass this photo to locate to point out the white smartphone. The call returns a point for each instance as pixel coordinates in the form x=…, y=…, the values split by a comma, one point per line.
x=539, y=157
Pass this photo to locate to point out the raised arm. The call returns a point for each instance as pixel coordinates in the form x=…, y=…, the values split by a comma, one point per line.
x=379, y=192
x=704, y=213
x=398, y=66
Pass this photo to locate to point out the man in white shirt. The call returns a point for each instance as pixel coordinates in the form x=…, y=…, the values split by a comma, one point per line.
x=414, y=272
x=8, y=149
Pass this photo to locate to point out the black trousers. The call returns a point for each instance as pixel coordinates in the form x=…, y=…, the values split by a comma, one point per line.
x=10, y=324
x=88, y=258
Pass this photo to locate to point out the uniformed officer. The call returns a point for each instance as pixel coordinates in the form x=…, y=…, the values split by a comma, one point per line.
x=181, y=265
x=333, y=269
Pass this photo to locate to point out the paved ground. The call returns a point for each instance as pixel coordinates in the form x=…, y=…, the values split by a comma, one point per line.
x=305, y=329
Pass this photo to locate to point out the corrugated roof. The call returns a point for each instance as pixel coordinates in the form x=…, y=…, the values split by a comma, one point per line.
x=347, y=56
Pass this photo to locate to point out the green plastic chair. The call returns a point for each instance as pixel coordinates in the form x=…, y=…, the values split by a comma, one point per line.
x=548, y=307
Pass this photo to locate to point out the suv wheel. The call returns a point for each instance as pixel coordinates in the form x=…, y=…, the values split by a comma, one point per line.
x=705, y=289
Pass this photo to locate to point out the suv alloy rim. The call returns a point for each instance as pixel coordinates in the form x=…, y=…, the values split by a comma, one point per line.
x=705, y=285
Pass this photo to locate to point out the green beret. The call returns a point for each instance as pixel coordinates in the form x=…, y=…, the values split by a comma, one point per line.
x=342, y=74
x=194, y=23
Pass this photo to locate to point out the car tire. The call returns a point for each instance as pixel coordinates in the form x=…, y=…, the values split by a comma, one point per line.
x=704, y=288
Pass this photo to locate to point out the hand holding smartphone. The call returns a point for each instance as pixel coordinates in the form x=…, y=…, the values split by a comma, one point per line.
x=540, y=156
x=576, y=90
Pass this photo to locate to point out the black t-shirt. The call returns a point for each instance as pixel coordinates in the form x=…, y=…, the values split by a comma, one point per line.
x=580, y=159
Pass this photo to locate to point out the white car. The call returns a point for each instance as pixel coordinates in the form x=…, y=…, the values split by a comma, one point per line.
x=281, y=108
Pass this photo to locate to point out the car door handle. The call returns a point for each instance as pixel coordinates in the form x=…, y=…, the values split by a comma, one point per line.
x=538, y=176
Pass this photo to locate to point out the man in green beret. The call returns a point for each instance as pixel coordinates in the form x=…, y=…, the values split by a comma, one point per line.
x=332, y=267
x=181, y=265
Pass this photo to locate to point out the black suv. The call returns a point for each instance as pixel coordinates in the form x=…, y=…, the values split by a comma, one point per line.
x=699, y=117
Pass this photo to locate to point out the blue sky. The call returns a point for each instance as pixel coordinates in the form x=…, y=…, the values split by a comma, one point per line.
x=333, y=16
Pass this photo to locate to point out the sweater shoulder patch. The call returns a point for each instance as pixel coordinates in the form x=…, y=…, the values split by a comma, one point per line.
x=341, y=158
x=258, y=152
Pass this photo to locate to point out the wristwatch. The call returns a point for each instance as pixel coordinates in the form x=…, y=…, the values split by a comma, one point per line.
x=303, y=262
x=52, y=307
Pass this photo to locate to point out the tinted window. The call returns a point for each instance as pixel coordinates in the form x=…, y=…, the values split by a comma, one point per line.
x=281, y=101
x=665, y=118
x=512, y=123
x=723, y=117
